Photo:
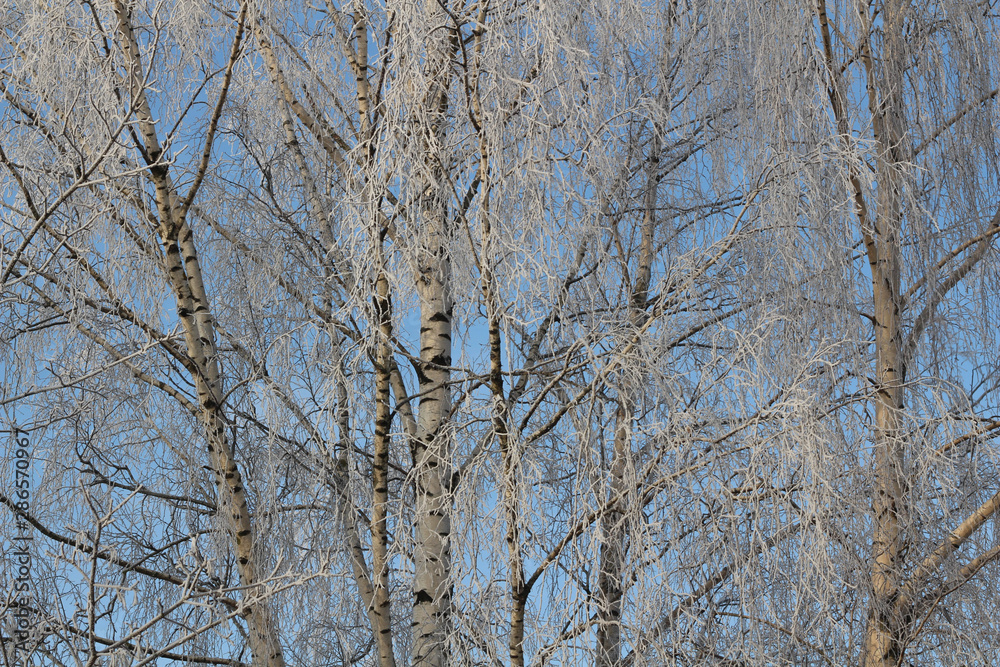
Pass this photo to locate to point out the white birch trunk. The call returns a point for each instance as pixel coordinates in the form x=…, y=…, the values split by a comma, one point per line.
x=194, y=312
x=432, y=451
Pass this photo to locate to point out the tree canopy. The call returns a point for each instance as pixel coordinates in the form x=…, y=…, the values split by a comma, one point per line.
x=490, y=332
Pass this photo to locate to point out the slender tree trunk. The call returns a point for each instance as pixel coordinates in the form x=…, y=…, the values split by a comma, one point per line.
x=383, y=371
x=380, y=474
x=614, y=526
x=432, y=555
x=883, y=642
x=610, y=587
x=432, y=451
x=501, y=413
x=886, y=621
x=194, y=312
x=501, y=428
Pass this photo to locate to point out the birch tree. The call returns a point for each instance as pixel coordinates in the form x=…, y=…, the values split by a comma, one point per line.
x=890, y=109
x=448, y=333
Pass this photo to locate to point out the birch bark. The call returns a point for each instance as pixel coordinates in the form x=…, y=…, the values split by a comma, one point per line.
x=432, y=450
x=194, y=311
